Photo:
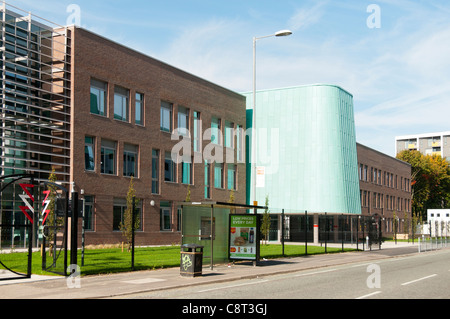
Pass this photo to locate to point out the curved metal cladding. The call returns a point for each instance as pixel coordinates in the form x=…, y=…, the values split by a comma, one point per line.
x=307, y=145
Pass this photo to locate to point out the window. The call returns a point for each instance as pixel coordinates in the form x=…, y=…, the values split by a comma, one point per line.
x=98, y=97
x=229, y=134
x=183, y=121
x=207, y=180
x=169, y=168
x=218, y=175
x=239, y=143
x=119, y=209
x=215, y=131
x=197, y=132
x=231, y=179
x=130, y=160
x=121, y=102
x=89, y=158
x=186, y=172
x=139, y=109
x=88, y=212
x=179, y=217
x=155, y=172
x=165, y=216
x=166, y=116
x=108, y=157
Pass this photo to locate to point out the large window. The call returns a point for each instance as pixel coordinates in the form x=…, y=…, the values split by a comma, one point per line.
x=229, y=134
x=165, y=212
x=139, y=109
x=88, y=212
x=218, y=175
x=155, y=171
x=98, y=97
x=197, y=132
x=121, y=103
x=183, y=121
x=130, y=160
x=186, y=172
x=216, y=131
x=120, y=206
x=89, y=155
x=231, y=176
x=240, y=143
x=166, y=116
x=108, y=157
x=169, y=168
x=207, y=180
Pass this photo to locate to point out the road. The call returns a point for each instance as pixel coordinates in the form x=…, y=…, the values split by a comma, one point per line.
x=420, y=276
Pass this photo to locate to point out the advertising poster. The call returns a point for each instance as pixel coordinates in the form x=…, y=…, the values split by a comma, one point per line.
x=244, y=237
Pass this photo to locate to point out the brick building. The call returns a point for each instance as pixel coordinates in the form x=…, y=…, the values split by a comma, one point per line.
x=385, y=187
x=125, y=107
x=97, y=114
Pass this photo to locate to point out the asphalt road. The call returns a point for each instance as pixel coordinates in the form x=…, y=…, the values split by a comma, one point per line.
x=421, y=276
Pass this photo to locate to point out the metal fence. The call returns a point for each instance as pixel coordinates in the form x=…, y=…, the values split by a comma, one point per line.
x=433, y=243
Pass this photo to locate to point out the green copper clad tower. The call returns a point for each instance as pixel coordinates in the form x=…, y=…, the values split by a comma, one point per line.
x=306, y=156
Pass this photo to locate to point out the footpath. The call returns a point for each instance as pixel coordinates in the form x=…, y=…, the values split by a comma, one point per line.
x=123, y=284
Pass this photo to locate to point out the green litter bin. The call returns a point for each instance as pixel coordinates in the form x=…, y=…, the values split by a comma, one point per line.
x=191, y=260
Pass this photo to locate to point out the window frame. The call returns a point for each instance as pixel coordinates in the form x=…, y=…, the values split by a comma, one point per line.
x=121, y=95
x=105, y=147
x=139, y=105
x=166, y=110
x=91, y=146
x=102, y=97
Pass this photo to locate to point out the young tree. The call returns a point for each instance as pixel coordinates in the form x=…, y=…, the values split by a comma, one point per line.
x=126, y=226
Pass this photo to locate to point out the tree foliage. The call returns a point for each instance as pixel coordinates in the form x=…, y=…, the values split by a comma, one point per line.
x=430, y=181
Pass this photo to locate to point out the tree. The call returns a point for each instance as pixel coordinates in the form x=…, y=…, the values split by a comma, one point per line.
x=126, y=226
x=265, y=223
x=430, y=181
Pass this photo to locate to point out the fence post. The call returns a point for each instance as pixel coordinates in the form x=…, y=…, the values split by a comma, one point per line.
x=306, y=232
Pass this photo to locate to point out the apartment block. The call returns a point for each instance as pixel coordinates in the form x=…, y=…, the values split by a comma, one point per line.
x=428, y=143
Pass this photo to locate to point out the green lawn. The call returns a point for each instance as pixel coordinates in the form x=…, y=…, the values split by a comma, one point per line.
x=111, y=260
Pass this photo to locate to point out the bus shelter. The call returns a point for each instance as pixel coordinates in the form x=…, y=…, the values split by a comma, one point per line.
x=207, y=224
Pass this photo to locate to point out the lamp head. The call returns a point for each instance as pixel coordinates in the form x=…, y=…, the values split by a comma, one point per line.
x=283, y=33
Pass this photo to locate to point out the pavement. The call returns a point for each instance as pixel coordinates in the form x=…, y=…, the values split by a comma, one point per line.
x=126, y=284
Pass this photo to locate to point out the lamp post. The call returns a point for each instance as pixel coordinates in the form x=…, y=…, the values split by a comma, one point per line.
x=281, y=33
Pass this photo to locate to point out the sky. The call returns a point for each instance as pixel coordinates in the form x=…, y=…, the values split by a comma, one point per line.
x=393, y=56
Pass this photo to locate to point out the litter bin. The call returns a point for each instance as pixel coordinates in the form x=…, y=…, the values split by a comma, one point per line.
x=191, y=260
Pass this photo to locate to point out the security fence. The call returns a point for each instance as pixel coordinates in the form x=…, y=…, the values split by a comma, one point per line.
x=432, y=243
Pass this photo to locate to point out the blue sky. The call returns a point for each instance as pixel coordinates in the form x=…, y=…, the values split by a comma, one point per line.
x=399, y=73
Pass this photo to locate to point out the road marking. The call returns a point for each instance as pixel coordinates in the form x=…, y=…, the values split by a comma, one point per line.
x=370, y=295
x=413, y=281
x=218, y=288
x=315, y=273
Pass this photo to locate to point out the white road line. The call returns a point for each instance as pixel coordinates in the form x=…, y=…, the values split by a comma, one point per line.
x=413, y=281
x=315, y=273
x=218, y=288
x=369, y=295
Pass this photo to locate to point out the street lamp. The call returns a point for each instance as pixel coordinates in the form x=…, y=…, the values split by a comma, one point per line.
x=281, y=33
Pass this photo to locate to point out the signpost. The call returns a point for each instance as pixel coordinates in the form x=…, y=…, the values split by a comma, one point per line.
x=244, y=237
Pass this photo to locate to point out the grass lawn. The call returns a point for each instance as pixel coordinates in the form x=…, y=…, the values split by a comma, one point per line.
x=111, y=260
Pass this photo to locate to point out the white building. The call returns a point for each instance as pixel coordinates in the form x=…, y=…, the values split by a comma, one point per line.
x=438, y=222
